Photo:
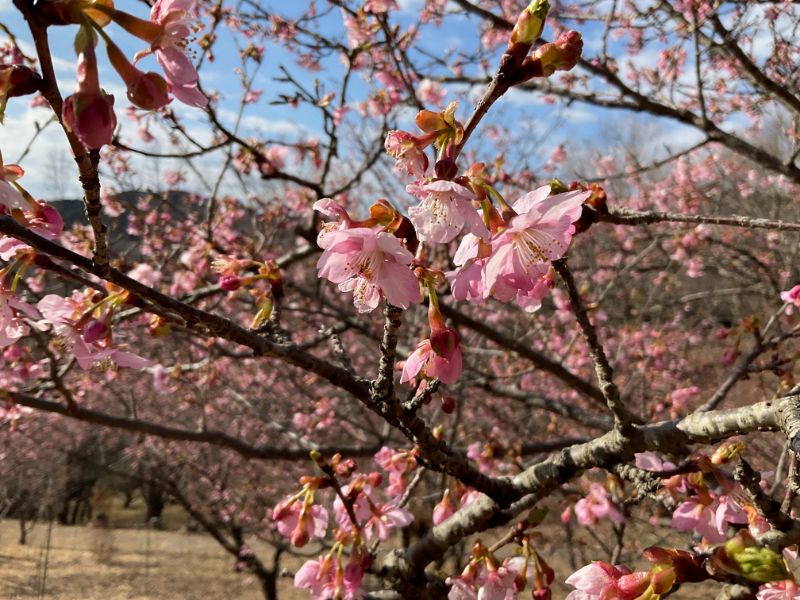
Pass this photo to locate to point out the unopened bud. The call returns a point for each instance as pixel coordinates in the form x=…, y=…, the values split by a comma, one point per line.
x=727, y=452
x=741, y=555
x=230, y=283
x=445, y=342
x=561, y=55
x=448, y=404
x=446, y=168
x=18, y=80
x=530, y=23
x=149, y=91
x=299, y=537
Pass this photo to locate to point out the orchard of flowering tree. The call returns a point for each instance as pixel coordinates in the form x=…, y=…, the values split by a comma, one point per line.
x=424, y=299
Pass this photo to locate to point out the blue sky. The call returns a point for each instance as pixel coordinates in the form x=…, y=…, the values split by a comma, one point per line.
x=49, y=169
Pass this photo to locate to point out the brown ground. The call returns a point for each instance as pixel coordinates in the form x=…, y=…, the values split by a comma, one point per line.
x=176, y=565
x=143, y=565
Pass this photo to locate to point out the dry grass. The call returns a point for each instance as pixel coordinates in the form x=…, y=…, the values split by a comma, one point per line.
x=144, y=565
x=175, y=565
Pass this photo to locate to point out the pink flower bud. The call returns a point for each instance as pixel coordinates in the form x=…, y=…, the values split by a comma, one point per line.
x=230, y=283
x=148, y=91
x=448, y=404
x=91, y=118
x=445, y=342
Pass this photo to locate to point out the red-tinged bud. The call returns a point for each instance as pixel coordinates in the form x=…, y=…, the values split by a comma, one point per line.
x=561, y=55
x=375, y=479
x=448, y=404
x=445, y=342
x=545, y=594
x=530, y=23
x=230, y=283
x=95, y=331
x=91, y=118
x=89, y=112
x=149, y=91
x=145, y=90
x=446, y=168
x=300, y=535
x=633, y=585
x=17, y=80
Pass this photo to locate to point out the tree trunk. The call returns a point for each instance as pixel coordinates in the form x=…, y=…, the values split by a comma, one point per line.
x=23, y=530
x=156, y=500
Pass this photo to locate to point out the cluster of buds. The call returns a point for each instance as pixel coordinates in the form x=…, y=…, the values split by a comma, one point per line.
x=441, y=129
x=518, y=64
x=336, y=574
x=298, y=518
x=742, y=556
x=237, y=273
x=487, y=577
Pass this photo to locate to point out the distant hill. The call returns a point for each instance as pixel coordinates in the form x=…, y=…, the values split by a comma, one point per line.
x=120, y=241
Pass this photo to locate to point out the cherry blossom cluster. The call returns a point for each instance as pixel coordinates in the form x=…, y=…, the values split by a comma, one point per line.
x=360, y=515
x=485, y=577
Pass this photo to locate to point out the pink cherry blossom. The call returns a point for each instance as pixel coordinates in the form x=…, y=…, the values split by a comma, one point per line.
x=372, y=265
x=477, y=582
x=597, y=581
x=431, y=92
x=64, y=315
x=792, y=297
x=709, y=517
x=650, y=461
x=10, y=197
x=380, y=6
x=438, y=357
x=781, y=590
x=169, y=46
x=13, y=311
x=541, y=232
x=445, y=210
x=398, y=465
x=327, y=578
x=409, y=152
x=694, y=515
x=597, y=505
x=376, y=519
x=300, y=521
